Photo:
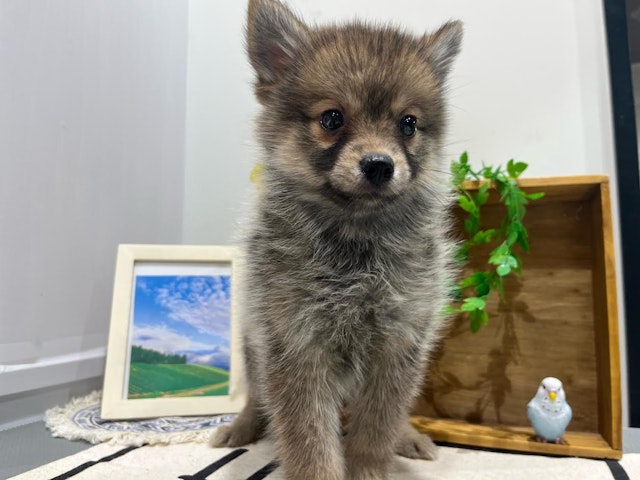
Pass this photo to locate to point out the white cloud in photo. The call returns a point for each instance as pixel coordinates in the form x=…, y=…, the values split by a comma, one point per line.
x=202, y=302
x=164, y=340
x=219, y=355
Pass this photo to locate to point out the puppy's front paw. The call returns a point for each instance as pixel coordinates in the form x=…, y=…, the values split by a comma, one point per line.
x=231, y=436
x=413, y=444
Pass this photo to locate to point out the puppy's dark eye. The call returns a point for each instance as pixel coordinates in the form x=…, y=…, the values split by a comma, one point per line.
x=407, y=125
x=332, y=120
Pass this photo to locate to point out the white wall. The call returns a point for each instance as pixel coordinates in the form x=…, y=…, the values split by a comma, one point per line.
x=92, y=108
x=220, y=109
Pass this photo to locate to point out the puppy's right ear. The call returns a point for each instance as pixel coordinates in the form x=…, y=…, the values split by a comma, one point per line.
x=441, y=48
x=274, y=37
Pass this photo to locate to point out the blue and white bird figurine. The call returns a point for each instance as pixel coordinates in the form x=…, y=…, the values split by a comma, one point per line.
x=549, y=411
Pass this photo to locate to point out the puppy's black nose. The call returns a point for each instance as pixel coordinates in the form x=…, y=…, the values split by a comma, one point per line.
x=377, y=168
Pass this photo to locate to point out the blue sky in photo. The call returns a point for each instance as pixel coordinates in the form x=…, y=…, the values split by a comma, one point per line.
x=186, y=315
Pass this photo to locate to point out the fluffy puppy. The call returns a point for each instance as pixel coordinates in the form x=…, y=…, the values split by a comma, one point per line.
x=348, y=254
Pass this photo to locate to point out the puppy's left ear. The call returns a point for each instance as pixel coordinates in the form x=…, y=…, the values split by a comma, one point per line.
x=442, y=47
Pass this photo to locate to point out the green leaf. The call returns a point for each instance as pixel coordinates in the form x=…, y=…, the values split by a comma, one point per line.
x=473, y=303
x=501, y=179
x=464, y=158
x=515, y=169
x=497, y=255
x=523, y=239
x=479, y=281
x=472, y=224
x=483, y=289
x=515, y=227
x=534, y=196
x=515, y=203
x=518, y=229
x=470, y=281
x=474, y=279
x=459, y=173
x=487, y=173
x=520, y=167
x=478, y=318
x=503, y=270
x=484, y=236
x=518, y=269
x=451, y=310
x=467, y=204
x=483, y=194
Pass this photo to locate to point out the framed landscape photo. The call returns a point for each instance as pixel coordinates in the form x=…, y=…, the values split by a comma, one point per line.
x=174, y=343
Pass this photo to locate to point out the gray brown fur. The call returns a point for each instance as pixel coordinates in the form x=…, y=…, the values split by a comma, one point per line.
x=346, y=281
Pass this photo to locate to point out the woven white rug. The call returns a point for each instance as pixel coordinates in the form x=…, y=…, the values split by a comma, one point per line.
x=196, y=461
x=80, y=420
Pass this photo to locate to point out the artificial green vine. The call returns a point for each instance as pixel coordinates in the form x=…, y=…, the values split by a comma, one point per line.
x=472, y=291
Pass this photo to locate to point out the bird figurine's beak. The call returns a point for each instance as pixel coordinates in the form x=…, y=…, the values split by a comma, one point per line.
x=552, y=396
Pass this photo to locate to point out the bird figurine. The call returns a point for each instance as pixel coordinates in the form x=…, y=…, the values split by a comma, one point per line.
x=549, y=412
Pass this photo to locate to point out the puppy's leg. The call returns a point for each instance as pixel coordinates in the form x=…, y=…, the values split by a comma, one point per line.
x=413, y=444
x=248, y=427
x=378, y=414
x=305, y=420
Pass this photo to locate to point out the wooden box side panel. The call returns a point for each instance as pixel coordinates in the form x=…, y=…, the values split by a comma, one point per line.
x=546, y=329
x=606, y=321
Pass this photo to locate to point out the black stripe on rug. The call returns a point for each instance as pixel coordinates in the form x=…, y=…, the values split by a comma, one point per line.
x=617, y=470
x=217, y=465
x=87, y=465
x=264, y=471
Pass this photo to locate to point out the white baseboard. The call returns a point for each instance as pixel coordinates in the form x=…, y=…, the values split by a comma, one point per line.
x=21, y=422
x=52, y=371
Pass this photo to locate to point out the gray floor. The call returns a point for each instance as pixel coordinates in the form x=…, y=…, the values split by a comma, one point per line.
x=29, y=446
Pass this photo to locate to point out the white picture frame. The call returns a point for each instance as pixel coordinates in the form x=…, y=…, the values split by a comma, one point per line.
x=174, y=340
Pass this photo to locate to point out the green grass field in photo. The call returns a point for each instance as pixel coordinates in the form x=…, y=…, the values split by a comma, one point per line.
x=183, y=380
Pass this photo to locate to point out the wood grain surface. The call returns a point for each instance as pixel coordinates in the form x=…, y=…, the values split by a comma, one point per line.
x=559, y=319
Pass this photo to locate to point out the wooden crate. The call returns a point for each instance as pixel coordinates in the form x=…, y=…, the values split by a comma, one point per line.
x=560, y=320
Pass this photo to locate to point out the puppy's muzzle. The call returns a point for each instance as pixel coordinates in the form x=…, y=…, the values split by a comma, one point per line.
x=377, y=168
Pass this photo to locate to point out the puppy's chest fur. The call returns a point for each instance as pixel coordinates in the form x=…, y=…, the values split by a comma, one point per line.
x=340, y=284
